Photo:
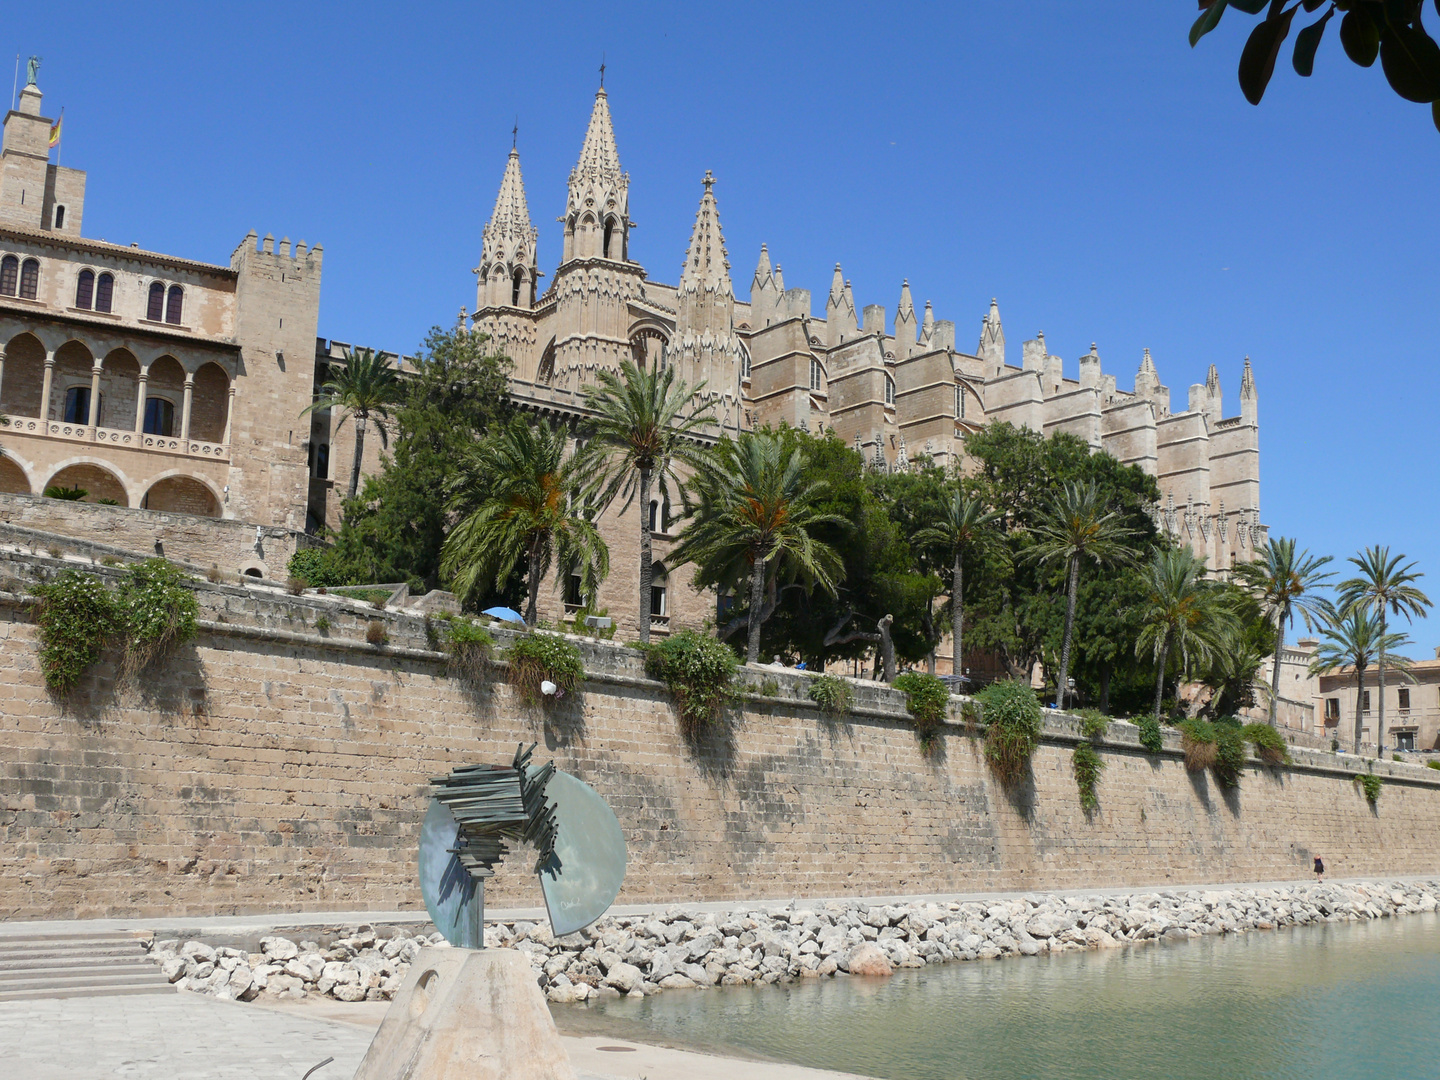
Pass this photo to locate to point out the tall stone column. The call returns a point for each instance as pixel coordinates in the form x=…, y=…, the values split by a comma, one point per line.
x=140, y=387
x=229, y=413
x=94, y=418
x=45, y=391
x=2, y=370
x=185, y=414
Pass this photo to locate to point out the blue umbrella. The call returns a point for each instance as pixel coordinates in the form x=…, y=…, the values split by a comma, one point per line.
x=505, y=614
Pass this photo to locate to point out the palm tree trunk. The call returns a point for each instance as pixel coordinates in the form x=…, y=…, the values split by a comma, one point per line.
x=1380, y=691
x=359, y=453
x=1160, y=676
x=1069, y=626
x=533, y=583
x=1275, y=666
x=645, y=564
x=757, y=598
x=1359, y=706
x=957, y=615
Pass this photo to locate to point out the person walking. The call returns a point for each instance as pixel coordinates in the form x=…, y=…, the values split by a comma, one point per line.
x=1319, y=869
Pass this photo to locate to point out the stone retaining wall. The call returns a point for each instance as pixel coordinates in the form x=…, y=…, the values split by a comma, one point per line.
x=274, y=766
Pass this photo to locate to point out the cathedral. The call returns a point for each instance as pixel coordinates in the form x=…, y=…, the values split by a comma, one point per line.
x=898, y=389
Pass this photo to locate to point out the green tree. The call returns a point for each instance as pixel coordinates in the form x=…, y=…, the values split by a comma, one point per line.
x=1388, y=29
x=364, y=386
x=751, y=514
x=1232, y=675
x=1284, y=581
x=529, y=512
x=1184, y=615
x=393, y=531
x=1078, y=526
x=962, y=526
x=1352, y=638
x=645, y=430
x=1385, y=588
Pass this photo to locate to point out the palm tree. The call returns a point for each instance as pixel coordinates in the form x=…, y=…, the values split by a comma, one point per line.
x=1284, y=582
x=1352, y=638
x=1184, y=614
x=639, y=436
x=366, y=385
x=963, y=526
x=530, y=509
x=1074, y=527
x=753, y=513
x=1386, y=588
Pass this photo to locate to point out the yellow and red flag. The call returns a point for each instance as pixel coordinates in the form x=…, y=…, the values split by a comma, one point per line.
x=55, y=129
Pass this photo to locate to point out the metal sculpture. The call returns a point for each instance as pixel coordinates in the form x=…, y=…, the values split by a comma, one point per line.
x=478, y=810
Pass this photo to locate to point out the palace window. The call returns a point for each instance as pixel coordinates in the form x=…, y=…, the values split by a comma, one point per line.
x=320, y=461
x=30, y=279
x=77, y=405
x=574, y=596
x=9, y=275
x=1332, y=710
x=174, y=305
x=155, y=306
x=1404, y=693
x=159, y=417
x=889, y=391
x=1365, y=702
x=59, y=217
x=659, y=593
x=104, y=292
x=85, y=289
x=815, y=373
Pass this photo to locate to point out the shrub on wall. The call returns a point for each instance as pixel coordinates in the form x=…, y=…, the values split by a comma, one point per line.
x=699, y=672
x=318, y=566
x=1199, y=741
x=1092, y=722
x=927, y=699
x=538, y=657
x=834, y=695
x=1269, y=744
x=471, y=648
x=1230, y=752
x=77, y=617
x=1151, y=737
x=1012, y=727
x=1088, y=765
x=157, y=611
x=1370, y=784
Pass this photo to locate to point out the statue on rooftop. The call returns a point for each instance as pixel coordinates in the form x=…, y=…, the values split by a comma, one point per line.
x=32, y=68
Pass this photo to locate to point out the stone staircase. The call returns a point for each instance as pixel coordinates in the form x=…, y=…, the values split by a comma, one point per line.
x=81, y=965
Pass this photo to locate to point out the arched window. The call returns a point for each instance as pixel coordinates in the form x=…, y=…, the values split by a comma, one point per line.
x=104, y=292
x=815, y=373
x=959, y=401
x=889, y=391
x=174, y=305
x=515, y=284
x=9, y=275
x=85, y=289
x=77, y=405
x=30, y=279
x=546, y=372
x=320, y=469
x=609, y=234
x=744, y=362
x=155, y=306
x=159, y=417
x=59, y=217
x=659, y=589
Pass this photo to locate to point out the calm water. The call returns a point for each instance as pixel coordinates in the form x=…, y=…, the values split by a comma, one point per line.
x=1337, y=1001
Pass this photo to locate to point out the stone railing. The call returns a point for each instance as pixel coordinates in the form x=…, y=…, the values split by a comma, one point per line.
x=132, y=440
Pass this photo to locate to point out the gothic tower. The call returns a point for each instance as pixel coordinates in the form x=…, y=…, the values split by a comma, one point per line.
x=596, y=281
x=505, y=291
x=705, y=346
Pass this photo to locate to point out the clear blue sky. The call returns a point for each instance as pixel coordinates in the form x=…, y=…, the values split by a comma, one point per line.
x=1078, y=161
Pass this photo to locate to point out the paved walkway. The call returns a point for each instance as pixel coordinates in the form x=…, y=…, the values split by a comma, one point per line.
x=189, y=1037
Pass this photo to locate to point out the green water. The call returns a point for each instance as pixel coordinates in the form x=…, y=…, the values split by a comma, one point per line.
x=1337, y=1001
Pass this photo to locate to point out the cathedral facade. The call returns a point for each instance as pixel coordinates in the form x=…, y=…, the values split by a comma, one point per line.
x=896, y=388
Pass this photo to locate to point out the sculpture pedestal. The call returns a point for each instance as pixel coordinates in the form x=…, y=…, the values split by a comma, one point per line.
x=471, y=1014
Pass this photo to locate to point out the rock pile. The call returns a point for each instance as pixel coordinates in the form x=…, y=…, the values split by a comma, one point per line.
x=685, y=947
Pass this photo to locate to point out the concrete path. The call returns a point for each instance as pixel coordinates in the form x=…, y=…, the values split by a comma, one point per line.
x=189, y=1037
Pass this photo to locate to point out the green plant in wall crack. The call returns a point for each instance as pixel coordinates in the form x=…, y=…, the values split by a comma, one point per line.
x=1199, y=741
x=1012, y=727
x=926, y=699
x=1230, y=752
x=538, y=658
x=1370, y=784
x=1092, y=722
x=1088, y=765
x=1151, y=738
x=77, y=617
x=157, y=612
x=471, y=649
x=699, y=673
x=834, y=695
x=1270, y=745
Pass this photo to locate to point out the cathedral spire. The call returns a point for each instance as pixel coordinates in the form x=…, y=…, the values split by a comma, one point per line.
x=597, y=219
x=705, y=302
x=992, y=338
x=706, y=264
x=1248, y=411
x=927, y=327
x=764, y=292
x=905, y=323
x=840, y=322
x=508, y=249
